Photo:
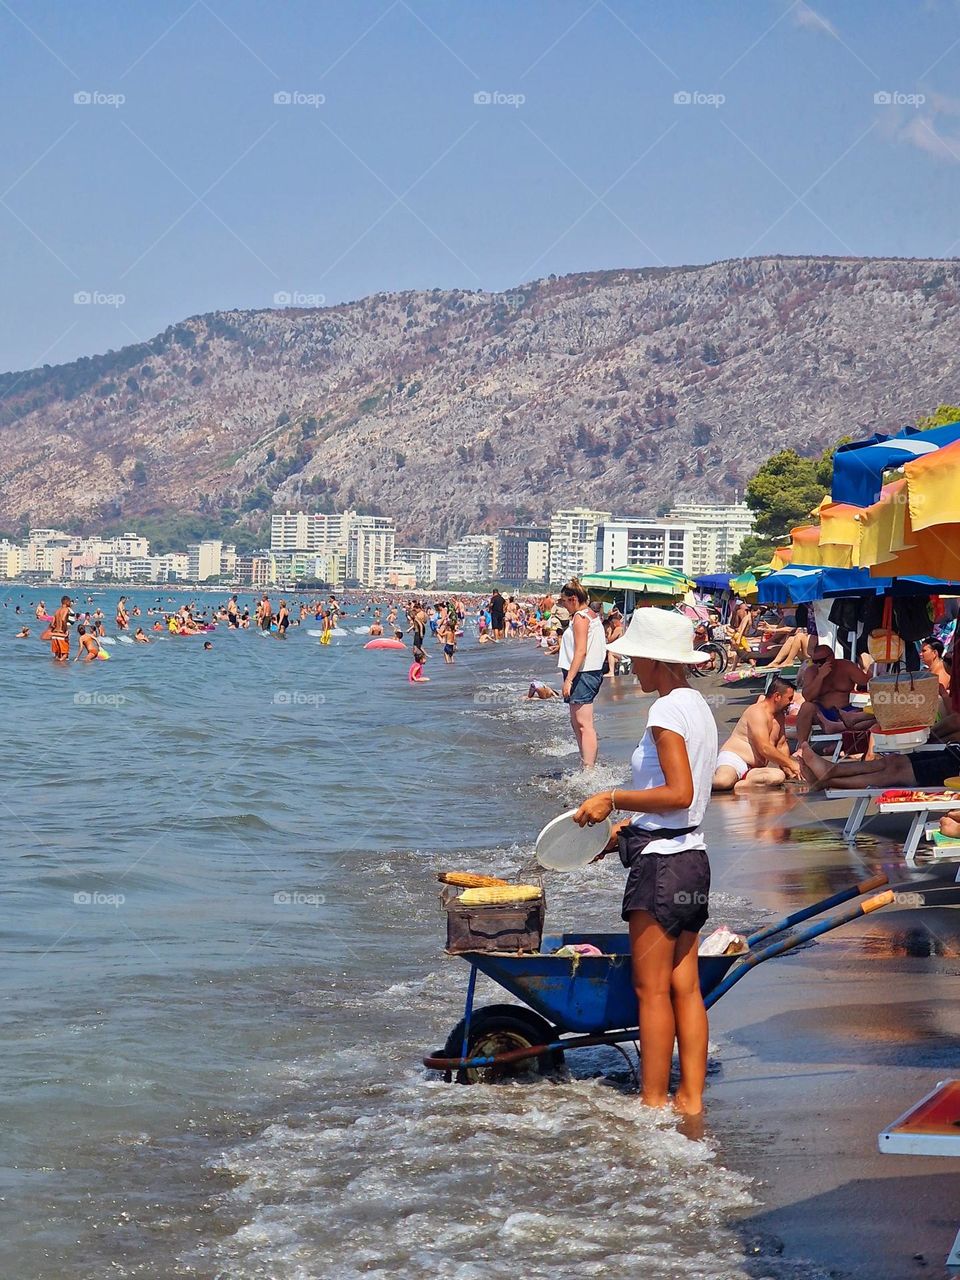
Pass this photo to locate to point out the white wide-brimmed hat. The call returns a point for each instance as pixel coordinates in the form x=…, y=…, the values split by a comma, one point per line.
x=661, y=636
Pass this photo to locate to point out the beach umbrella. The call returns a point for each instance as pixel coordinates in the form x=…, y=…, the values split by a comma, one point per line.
x=713, y=582
x=858, y=468
x=641, y=579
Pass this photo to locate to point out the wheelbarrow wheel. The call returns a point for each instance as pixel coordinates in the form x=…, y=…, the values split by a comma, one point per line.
x=500, y=1028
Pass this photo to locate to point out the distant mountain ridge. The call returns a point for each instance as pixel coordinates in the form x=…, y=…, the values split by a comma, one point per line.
x=454, y=410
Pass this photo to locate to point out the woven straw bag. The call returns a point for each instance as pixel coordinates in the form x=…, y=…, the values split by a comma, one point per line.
x=908, y=701
x=885, y=645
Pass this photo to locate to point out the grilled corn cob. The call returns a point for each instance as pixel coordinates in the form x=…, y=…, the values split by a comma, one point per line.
x=495, y=894
x=468, y=880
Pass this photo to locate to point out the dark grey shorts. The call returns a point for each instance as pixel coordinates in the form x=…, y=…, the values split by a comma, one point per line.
x=673, y=887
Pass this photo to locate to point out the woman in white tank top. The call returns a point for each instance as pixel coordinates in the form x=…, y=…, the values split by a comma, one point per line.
x=583, y=656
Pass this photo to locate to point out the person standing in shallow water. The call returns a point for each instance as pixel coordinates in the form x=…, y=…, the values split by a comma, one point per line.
x=662, y=846
x=582, y=659
x=497, y=611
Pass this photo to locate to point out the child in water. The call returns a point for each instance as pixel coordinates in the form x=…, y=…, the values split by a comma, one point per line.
x=415, y=674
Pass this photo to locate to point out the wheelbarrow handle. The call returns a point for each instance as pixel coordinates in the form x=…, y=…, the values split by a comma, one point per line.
x=791, y=940
x=844, y=895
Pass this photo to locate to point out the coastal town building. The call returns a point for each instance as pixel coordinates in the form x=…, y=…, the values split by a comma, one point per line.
x=367, y=542
x=10, y=559
x=573, y=542
x=371, y=549
x=640, y=541
x=719, y=531
x=472, y=559
x=429, y=564
x=538, y=561
x=519, y=547
x=309, y=531
x=258, y=569
x=204, y=559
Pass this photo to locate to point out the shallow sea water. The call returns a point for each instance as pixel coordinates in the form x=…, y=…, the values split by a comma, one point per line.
x=223, y=964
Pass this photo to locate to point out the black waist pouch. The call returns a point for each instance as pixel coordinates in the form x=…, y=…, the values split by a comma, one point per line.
x=632, y=840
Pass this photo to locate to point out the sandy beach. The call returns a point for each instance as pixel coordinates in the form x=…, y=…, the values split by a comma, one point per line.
x=822, y=1048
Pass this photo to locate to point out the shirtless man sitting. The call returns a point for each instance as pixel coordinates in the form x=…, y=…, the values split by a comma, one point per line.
x=826, y=687
x=756, y=753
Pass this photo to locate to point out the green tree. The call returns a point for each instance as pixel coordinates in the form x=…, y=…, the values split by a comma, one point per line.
x=753, y=550
x=943, y=414
x=139, y=473
x=786, y=488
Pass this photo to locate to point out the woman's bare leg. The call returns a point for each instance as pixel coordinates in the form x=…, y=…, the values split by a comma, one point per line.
x=690, y=1019
x=653, y=952
x=587, y=734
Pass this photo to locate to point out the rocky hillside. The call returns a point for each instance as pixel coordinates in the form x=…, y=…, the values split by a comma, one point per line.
x=458, y=410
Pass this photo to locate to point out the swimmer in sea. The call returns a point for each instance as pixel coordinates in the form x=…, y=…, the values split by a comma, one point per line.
x=22, y=635
x=207, y=644
x=140, y=637
x=89, y=649
x=376, y=629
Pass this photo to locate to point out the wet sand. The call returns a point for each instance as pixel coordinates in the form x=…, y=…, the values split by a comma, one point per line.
x=822, y=1048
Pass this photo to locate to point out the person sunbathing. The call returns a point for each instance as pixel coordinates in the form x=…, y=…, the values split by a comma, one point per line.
x=792, y=651
x=756, y=753
x=926, y=770
x=826, y=686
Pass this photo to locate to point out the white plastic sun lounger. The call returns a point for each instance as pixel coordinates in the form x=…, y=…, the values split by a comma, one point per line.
x=920, y=810
x=919, y=813
x=861, y=803
x=929, y=1128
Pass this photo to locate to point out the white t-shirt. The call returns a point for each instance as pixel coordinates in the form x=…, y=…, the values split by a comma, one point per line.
x=686, y=712
x=595, y=658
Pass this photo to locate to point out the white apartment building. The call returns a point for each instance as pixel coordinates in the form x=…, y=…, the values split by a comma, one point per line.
x=629, y=541
x=573, y=542
x=425, y=562
x=204, y=559
x=371, y=548
x=367, y=542
x=472, y=559
x=172, y=566
x=538, y=561
x=126, y=544
x=10, y=559
x=309, y=531
x=720, y=529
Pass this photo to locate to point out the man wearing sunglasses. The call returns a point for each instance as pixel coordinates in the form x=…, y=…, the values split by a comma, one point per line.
x=826, y=687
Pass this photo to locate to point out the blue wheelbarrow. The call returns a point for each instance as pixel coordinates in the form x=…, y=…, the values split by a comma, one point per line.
x=574, y=1002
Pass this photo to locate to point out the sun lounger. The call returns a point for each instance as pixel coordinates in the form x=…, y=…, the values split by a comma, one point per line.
x=929, y=1128
x=861, y=803
x=920, y=812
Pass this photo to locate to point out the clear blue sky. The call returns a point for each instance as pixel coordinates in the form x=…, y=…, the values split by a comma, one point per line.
x=199, y=192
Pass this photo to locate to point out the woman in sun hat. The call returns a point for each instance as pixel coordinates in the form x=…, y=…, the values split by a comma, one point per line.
x=662, y=845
